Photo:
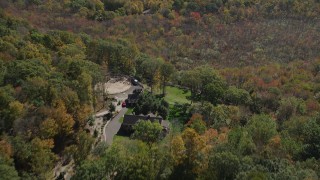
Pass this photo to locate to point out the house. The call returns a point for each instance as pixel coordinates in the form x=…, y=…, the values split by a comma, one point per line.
x=133, y=98
x=130, y=120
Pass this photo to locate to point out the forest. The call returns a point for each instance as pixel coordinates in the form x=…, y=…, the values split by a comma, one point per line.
x=238, y=80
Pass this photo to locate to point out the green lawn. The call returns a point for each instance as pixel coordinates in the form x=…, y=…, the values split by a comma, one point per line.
x=121, y=120
x=128, y=112
x=117, y=139
x=176, y=95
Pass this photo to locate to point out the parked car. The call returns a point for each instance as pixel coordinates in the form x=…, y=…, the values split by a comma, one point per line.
x=134, y=82
x=124, y=104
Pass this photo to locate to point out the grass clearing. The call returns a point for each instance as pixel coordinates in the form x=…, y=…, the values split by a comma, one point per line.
x=130, y=110
x=177, y=95
x=117, y=138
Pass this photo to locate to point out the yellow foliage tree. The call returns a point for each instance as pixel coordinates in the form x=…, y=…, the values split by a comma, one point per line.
x=64, y=120
x=178, y=150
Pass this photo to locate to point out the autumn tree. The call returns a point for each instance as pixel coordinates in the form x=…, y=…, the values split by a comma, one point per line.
x=191, y=156
x=11, y=109
x=196, y=122
x=59, y=123
x=134, y=7
x=7, y=169
x=35, y=157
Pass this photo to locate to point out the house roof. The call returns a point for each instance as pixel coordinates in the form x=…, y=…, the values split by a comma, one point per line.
x=137, y=90
x=133, y=96
x=133, y=119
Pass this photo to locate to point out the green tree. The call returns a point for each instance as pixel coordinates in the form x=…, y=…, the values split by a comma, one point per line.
x=83, y=85
x=134, y=7
x=214, y=92
x=7, y=171
x=218, y=116
x=205, y=84
x=311, y=138
x=224, y=165
x=129, y=159
x=261, y=128
x=3, y=70
x=35, y=90
x=147, y=131
x=19, y=71
x=237, y=96
x=118, y=56
x=192, y=80
x=166, y=70
x=91, y=169
x=82, y=148
x=241, y=142
x=149, y=103
x=290, y=107
x=152, y=72
x=71, y=51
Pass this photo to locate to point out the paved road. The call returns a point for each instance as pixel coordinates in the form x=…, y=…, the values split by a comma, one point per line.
x=113, y=127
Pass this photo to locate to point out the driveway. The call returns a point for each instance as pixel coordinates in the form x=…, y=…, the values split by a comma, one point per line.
x=113, y=127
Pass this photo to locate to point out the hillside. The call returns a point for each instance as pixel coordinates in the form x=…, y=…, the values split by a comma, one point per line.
x=224, y=89
x=191, y=39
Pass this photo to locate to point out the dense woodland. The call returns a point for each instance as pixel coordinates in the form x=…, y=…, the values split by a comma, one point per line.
x=252, y=67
